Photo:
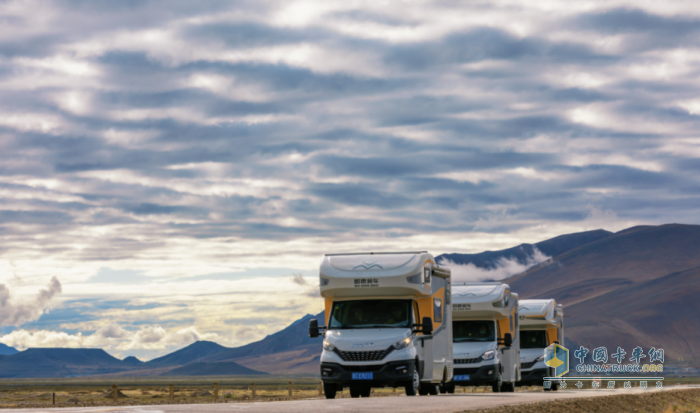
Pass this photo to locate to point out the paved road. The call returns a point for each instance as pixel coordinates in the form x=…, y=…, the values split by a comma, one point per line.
x=442, y=403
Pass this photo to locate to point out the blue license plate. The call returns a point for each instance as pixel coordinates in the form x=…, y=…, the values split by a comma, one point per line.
x=362, y=376
x=463, y=377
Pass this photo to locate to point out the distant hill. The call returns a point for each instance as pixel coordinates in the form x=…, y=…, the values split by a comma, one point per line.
x=294, y=336
x=6, y=350
x=638, y=287
x=212, y=369
x=523, y=252
x=132, y=361
x=196, y=351
x=59, y=362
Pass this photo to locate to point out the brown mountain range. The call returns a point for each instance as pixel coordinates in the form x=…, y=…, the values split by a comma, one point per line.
x=637, y=287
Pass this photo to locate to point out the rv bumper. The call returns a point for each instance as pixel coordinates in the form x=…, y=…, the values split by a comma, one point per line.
x=395, y=373
x=533, y=377
x=478, y=376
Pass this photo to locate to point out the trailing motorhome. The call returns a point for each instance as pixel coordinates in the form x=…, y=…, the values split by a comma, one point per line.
x=486, y=345
x=541, y=325
x=388, y=323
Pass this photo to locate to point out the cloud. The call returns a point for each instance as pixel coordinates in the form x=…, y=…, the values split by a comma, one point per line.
x=299, y=279
x=111, y=337
x=503, y=268
x=22, y=339
x=16, y=314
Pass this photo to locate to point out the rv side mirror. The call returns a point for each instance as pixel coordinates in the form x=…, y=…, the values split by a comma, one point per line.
x=427, y=326
x=507, y=340
x=313, y=328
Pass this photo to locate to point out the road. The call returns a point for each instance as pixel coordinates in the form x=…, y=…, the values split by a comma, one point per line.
x=442, y=403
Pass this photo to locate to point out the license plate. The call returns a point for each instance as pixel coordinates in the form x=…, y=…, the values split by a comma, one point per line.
x=463, y=377
x=362, y=376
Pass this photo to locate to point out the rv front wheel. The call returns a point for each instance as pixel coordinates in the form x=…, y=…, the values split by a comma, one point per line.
x=496, y=387
x=329, y=390
x=434, y=389
x=414, y=385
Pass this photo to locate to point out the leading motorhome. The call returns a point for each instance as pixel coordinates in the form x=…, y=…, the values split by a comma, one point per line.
x=541, y=325
x=485, y=335
x=388, y=323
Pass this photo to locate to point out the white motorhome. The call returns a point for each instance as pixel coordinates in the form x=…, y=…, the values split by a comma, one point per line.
x=541, y=325
x=485, y=336
x=388, y=323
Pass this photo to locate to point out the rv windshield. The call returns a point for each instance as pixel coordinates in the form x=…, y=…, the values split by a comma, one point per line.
x=470, y=330
x=371, y=314
x=533, y=339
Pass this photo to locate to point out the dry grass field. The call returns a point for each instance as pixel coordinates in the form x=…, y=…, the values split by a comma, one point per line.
x=28, y=393
x=33, y=393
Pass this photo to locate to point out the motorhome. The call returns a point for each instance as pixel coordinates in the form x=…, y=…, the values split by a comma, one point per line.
x=541, y=325
x=486, y=344
x=388, y=323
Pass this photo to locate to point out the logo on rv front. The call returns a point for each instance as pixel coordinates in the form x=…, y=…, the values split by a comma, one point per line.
x=558, y=357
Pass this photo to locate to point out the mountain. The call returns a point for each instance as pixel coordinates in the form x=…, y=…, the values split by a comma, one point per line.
x=212, y=369
x=296, y=335
x=196, y=351
x=637, y=287
x=59, y=362
x=6, y=350
x=132, y=361
x=523, y=253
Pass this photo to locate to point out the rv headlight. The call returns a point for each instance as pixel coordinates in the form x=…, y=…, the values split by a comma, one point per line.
x=328, y=346
x=488, y=355
x=540, y=358
x=402, y=344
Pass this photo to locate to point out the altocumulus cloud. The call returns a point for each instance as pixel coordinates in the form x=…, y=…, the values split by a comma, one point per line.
x=190, y=152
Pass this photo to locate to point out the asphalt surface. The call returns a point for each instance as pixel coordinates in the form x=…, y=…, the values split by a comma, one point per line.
x=442, y=403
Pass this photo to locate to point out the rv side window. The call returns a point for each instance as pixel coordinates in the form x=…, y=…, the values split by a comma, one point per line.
x=437, y=303
x=427, y=275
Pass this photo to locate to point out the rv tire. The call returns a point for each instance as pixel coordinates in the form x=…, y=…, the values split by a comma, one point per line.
x=413, y=386
x=496, y=387
x=434, y=389
x=329, y=389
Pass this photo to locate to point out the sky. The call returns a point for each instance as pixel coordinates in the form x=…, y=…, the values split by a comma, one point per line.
x=172, y=171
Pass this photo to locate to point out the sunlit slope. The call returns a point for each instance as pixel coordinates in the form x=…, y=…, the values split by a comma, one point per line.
x=636, y=287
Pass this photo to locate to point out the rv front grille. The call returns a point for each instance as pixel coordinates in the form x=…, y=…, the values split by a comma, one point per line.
x=363, y=355
x=527, y=365
x=467, y=361
x=459, y=372
x=358, y=369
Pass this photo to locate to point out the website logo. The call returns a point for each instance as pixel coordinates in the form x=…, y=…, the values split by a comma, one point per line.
x=557, y=357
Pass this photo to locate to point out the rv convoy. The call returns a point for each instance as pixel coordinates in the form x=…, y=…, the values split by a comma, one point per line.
x=396, y=320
